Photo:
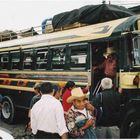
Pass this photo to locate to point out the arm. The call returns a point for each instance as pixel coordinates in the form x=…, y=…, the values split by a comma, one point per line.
x=64, y=136
x=62, y=129
x=73, y=130
x=88, y=124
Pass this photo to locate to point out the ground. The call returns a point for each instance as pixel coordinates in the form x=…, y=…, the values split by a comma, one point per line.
x=17, y=130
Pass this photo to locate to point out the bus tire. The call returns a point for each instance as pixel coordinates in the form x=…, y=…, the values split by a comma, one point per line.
x=134, y=130
x=8, y=110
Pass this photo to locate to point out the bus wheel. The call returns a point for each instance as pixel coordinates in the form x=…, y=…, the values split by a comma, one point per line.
x=134, y=129
x=8, y=110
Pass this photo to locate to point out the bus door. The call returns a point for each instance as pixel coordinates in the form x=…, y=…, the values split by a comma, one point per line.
x=104, y=62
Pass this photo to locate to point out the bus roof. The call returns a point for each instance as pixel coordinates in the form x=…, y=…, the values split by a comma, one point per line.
x=85, y=33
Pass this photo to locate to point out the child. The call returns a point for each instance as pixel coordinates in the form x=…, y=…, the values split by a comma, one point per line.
x=80, y=121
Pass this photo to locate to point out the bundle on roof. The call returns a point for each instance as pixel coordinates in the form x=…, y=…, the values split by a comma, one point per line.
x=90, y=14
x=7, y=35
x=29, y=32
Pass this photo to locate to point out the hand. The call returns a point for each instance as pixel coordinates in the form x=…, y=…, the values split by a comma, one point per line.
x=89, y=123
x=89, y=106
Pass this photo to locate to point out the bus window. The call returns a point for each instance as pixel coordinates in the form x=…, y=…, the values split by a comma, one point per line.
x=78, y=57
x=15, y=60
x=4, y=60
x=41, y=59
x=136, y=51
x=28, y=59
x=58, y=58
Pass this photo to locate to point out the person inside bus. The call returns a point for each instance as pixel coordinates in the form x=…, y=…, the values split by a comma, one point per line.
x=110, y=62
x=98, y=70
x=47, y=115
x=104, y=66
x=80, y=121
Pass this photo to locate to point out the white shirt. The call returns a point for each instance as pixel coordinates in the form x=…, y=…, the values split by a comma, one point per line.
x=47, y=115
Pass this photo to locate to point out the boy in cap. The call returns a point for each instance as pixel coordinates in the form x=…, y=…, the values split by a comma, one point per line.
x=80, y=121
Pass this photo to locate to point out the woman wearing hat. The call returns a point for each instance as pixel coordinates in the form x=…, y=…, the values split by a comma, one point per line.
x=80, y=121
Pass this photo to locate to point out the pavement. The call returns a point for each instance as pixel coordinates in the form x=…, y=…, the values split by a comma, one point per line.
x=16, y=130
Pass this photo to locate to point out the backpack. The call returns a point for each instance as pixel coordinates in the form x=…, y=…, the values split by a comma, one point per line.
x=99, y=108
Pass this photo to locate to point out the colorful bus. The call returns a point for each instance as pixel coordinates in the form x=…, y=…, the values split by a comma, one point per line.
x=71, y=54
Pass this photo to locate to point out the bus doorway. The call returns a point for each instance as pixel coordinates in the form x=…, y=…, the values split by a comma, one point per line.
x=104, y=62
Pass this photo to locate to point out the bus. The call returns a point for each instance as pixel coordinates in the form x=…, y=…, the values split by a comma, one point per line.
x=71, y=53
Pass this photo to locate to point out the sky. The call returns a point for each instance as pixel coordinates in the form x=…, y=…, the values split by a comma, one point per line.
x=22, y=14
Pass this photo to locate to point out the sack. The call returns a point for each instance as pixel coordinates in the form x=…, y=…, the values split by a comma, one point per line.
x=89, y=133
x=99, y=108
x=99, y=114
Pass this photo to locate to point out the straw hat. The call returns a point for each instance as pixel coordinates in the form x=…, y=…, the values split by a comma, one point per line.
x=109, y=50
x=76, y=93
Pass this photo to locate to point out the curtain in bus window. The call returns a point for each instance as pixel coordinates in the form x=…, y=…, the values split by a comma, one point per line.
x=28, y=59
x=4, y=60
x=15, y=60
x=58, y=59
x=136, y=51
x=41, y=57
x=78, y=57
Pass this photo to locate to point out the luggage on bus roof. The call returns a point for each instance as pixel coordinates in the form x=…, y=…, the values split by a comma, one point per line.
x=7, y=35
x=91, y=14
x=28, y=32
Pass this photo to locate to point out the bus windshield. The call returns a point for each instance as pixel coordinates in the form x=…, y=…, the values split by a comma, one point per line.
x=136, y=50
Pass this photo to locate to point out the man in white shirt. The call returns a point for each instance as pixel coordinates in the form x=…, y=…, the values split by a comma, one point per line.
x=47, y=116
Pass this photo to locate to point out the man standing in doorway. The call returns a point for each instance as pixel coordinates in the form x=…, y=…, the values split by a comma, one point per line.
x=109, y=101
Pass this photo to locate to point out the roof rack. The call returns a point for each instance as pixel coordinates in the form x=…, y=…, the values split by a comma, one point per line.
x=10, y=35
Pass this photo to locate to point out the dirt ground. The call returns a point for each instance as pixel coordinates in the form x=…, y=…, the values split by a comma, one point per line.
x=17, y=130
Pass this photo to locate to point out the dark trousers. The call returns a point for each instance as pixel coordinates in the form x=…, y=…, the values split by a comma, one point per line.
x=46, y=135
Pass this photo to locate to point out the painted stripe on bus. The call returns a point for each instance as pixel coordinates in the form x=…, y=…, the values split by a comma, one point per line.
x=45, y=72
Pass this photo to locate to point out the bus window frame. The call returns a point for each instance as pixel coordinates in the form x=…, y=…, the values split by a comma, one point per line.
x=1, y=63
x=11, y=63
x=83, y=66
x=31, y=51
x=42, y=49
x=51, y=49
x=134, y=42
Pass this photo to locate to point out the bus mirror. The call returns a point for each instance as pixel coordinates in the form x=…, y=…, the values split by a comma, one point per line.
x=138, y=24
